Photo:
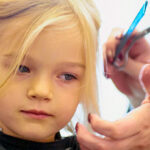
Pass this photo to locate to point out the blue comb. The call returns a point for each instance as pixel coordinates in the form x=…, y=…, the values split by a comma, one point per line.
x=130, y=30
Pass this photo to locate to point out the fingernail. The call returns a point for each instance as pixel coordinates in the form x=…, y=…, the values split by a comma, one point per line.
x=120, y=57
x=89, y=117
x=110, y=57
x=77, y=127
x=111, y=60
x=106, y=75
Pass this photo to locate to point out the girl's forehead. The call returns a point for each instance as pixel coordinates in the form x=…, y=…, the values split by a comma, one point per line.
x=16, y=28
x=58, y=45
x=68, y=37
x=69, y=24
x=62, y=37
x=69, y=32
x=11, y=31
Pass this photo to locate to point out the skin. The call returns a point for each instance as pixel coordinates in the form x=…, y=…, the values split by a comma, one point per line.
x=145, y=82
x=127, y=80
x=133, y=131
x=129, y=133
x=54, y=68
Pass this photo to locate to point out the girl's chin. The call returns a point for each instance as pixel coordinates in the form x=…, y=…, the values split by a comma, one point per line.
x=32, y=135
x=38, y=137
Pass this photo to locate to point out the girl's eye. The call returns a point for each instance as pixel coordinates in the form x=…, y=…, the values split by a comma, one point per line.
x=68, y=77
x=24, y=69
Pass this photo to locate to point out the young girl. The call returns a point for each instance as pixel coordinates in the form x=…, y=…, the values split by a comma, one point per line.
x=47, y=67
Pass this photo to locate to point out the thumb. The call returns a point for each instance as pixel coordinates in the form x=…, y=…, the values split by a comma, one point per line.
x=123, y=128
x=144, y=78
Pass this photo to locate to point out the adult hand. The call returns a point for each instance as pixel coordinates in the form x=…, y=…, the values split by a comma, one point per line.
x=129, y=133
x=127, y=80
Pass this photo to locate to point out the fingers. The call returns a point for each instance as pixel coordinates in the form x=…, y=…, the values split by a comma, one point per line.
x=140, y=48
x=89, y=141
x=133, y=68
x=108, y=59
x=121, y=129
x=131, y=133
x=146, y=100
x=136, y=142
x=82, y=147
x=144, y=78
x=103, y=127
x=109, y=47
x=110, y=55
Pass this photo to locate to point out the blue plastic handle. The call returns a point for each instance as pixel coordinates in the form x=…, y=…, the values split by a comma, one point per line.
x=130, y=30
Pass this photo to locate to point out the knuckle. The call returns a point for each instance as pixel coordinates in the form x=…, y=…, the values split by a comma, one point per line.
x=116, y=133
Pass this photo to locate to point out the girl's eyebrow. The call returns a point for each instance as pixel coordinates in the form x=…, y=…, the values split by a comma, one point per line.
x=12, y=55
x=72, y=64
x=62, y=64
x=9, y=56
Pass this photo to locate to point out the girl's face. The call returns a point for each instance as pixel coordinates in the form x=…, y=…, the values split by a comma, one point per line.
x=44, y=94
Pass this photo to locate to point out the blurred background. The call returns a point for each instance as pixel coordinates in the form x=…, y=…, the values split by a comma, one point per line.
x=116, y=13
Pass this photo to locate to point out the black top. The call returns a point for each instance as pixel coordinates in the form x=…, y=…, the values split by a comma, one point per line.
x=11, y=143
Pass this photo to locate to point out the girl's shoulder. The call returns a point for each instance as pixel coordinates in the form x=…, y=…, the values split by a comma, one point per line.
x=71, y=143
x=11, y=143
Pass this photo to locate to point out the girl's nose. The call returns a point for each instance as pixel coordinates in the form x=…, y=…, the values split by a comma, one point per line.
x=40, y=89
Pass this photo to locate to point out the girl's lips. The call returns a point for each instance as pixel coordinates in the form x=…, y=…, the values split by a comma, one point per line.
x=36, y=114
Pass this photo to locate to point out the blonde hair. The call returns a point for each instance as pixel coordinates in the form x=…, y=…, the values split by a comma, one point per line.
x=38, y=14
